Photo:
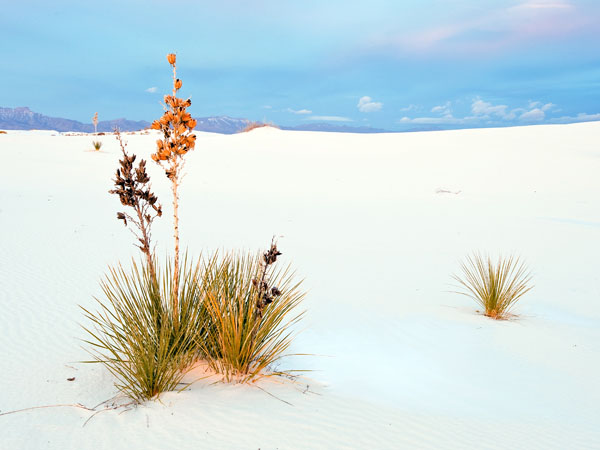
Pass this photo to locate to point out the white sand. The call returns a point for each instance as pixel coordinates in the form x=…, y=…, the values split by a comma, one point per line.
x=406, y=363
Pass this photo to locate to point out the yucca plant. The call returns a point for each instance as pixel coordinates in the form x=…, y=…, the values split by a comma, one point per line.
x=495, y=286
x=133, y=333
x=97, y=145
x=249, y=320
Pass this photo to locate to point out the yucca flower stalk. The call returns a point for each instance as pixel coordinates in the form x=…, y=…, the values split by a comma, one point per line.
x=495, y=286
x=176, y=125
x=95, y=122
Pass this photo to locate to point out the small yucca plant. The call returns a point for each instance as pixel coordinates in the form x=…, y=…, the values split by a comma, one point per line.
x=97, y=145
x=495, y=286
x=249, y=320
x=133, y=333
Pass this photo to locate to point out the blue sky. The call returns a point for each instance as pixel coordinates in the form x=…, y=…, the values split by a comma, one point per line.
x=388, y=64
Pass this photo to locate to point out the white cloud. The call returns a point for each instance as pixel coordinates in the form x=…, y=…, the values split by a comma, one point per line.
x=367, y=105
x=486, y=110
x=299, y=111
x=152, y=89
x=483, y=112
x=267, y=107
x=330, y=118
x=534, y=115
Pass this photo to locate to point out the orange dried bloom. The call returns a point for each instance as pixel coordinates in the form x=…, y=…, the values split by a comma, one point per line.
x=171, y=58
x=176, y=124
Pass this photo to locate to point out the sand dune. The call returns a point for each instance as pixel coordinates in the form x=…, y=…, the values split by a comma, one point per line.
x=376, y=224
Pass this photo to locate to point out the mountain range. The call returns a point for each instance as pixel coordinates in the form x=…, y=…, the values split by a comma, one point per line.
x=23, y=118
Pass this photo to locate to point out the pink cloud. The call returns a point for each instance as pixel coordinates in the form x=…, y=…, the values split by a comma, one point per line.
x=528, y=22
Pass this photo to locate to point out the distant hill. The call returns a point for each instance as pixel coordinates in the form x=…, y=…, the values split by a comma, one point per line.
x=230, y=125
x=221, y=124
x=24, y=118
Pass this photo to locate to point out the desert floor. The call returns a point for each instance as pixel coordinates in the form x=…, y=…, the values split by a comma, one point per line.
x=376, y=225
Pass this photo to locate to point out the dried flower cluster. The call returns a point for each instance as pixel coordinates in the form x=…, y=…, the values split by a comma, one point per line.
x=95, y=121
x=266, y=293
x=176, y=125
x=132, y=185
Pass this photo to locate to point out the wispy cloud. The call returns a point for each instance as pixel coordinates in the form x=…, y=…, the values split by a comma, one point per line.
x=410, y=107
x=581, y=117
x=299, y=111
x=442, y=109
x=542, y=4
x=152, y=89
x=546, y=107
x=367, y=105
x=330, y=118
x=445, y=120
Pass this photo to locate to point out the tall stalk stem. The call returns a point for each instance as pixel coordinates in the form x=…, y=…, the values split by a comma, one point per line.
x=175, y=185
x=176, y=263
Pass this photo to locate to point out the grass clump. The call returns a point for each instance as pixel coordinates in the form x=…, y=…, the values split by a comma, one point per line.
x=133, y=333
x=250, y=311
x=97, y=145
x=495, y=286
